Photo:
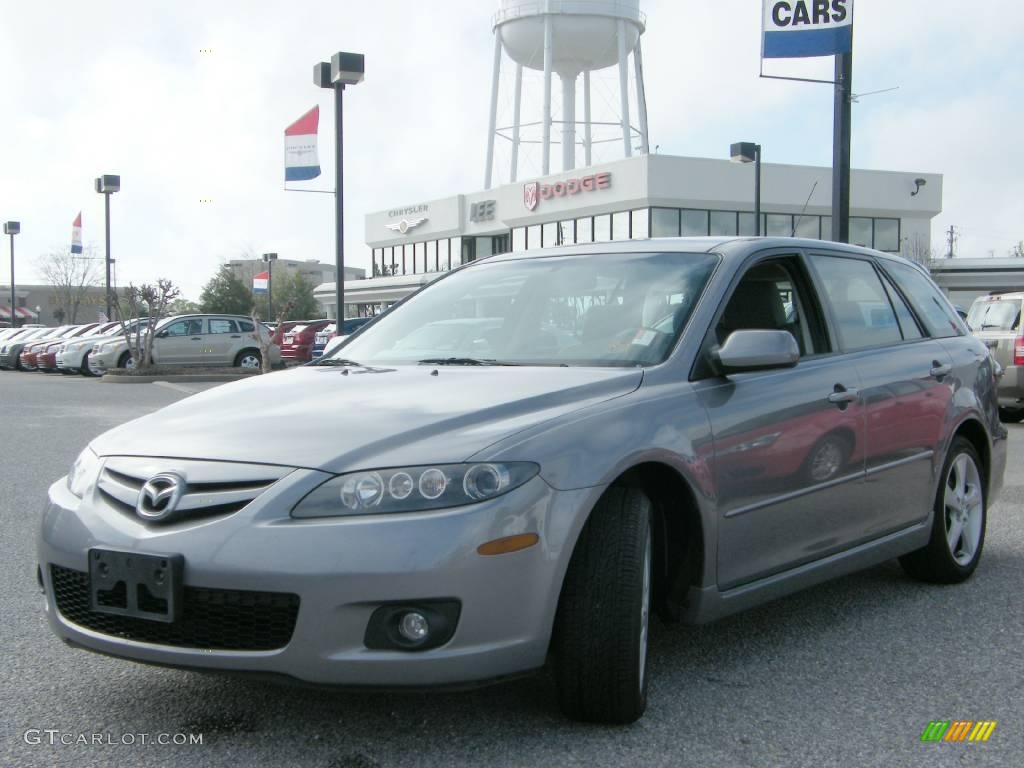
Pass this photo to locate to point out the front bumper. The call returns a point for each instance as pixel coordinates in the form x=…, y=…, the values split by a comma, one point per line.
x=342, y=569
x=100, y=363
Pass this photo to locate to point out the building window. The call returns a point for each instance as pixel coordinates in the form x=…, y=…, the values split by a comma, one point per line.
x=861, y=232
x=454, y=251
x=550, y=234
x=533, y=237
x=602, y=228
x=468, y=250
x=826, y=227
x=640, y=225
x=808, y=226
x=568, y=231
x=519, y=239
x=432, y=263
x=664, y=222
x=620, y=225
x=779, y=225
x=747, y=224
x=404, y=270
x=585, y=230
x=723, y=223
x=694, y=223
x=887, y=235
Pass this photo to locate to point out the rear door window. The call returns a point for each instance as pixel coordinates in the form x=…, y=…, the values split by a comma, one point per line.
x=861, y=310
x=220, y=325
x=938, y=316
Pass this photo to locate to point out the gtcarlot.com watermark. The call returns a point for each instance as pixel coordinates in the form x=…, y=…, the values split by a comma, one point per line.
x=55, y=737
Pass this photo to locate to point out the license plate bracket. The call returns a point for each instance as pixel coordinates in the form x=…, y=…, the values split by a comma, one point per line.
x=143, y=586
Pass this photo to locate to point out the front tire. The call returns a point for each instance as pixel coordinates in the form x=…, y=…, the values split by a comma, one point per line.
x=84, y=369
x=958, y=525
x=601, y=628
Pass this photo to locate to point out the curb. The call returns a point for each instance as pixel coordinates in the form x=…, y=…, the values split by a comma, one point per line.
x=184, y=379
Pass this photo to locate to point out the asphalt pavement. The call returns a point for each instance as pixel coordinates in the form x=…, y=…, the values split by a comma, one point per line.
x=847, y=674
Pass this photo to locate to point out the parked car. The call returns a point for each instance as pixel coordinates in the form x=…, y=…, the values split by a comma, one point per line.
x=297, y=342
x=330, y=332
x=996, y=321
x=527, y=485
x=27, y=358
x=72, y=355
x=191, y=340
x=10, y=348
x=46, y=355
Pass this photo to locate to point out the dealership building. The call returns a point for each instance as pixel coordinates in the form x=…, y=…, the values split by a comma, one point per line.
x=645, y=196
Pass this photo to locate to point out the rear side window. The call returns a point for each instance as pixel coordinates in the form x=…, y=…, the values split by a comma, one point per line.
x=994, y=314
x=861, y=309
x=939, y=318
x=222, y=326
x=246, y=326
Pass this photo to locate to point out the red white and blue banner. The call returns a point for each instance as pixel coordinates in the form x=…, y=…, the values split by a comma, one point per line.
x=301, y=162
x=76, y=234
x=794, y=29
x=259, y=282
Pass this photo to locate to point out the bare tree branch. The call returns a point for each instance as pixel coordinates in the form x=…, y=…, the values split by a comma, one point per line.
x=70, y=277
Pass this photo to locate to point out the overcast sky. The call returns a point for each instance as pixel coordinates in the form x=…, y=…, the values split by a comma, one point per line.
x=123, y=87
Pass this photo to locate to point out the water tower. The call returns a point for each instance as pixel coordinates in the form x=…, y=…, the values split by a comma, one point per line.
x=568, y=38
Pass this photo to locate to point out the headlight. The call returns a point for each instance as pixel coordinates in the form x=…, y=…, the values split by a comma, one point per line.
x=100, y=348
x=83, y=473
x=413, y=489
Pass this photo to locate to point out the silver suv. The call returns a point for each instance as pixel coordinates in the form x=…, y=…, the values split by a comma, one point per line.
x=207, y=340
x=996, y=321
x=690, y=427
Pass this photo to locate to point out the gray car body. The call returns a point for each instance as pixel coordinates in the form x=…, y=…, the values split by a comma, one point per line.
x=751, y=539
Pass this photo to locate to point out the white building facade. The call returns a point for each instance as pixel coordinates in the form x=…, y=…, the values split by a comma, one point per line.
x=645, y=196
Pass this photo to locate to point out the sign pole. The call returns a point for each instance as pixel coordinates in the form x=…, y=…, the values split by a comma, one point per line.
x=841, y=138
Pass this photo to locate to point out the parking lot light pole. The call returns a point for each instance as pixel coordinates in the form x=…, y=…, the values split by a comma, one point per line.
x=12, y=228
x=107, y=185
x=748, y=152
x=343, y=69
x=270, y=258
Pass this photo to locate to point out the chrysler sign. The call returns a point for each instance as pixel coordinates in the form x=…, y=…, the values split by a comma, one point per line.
x=534, y=192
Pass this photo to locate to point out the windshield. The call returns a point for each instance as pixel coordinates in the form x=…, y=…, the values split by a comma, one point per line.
x=621, y=309
x=994, y=315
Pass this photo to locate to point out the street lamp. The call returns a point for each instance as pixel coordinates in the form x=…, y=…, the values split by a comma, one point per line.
x=343, y=69
x=748, y=152
x=107, y=185
x=270, y=258
x=12, y=228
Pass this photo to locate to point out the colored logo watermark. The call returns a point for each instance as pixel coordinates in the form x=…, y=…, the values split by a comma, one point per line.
x=958, y=730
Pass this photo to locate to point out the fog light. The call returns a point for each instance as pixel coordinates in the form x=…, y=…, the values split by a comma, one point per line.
x=414, y=627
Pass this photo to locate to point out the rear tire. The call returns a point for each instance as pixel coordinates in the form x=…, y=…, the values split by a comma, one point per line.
x=126, y=361
x=249, y=359
x=600, y=638
x=1011, y=415
x=958, y=524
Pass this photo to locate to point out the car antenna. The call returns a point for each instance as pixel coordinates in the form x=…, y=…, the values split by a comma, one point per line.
x=796, y=219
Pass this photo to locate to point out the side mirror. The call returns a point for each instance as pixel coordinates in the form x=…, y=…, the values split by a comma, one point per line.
x=162, y=335
x=750, y=350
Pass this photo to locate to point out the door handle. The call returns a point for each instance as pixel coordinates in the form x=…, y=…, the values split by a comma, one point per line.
x=939, y=369
x=843, y=396
x=236, y=337
x=196, y=338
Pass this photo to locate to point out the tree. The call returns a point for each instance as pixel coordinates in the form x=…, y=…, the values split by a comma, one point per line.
x=70, y=277
x=226, y=294
x=296, y=292
x=144, y=301
x=265, y=340
x=1017, y=252
x=917, y=249
x=183, y=307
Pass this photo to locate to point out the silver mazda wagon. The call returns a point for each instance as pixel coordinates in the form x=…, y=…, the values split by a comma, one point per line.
x=521, y=461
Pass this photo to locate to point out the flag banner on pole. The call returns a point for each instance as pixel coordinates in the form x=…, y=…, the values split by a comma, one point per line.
x=76, y=234
x=300, y=157
x=792, y=29
x=259, y=282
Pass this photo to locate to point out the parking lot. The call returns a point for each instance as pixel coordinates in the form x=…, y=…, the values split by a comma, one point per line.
x=847, y=674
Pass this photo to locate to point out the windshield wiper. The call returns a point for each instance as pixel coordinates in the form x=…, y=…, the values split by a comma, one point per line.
x=462, y=361
x=337, y=361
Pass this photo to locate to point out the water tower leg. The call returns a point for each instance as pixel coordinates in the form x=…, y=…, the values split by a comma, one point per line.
x=515, y=123
x=587, y=135
x=641, y=97
x=548, y=62
x=624, y=89
x=568, y=122
x=494, y=110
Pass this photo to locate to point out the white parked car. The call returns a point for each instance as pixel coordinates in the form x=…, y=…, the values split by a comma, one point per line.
x=73, y=355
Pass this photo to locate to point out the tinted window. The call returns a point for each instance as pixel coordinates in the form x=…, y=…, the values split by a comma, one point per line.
x=939, y=318
x=908, y=326
x=860, y=307
x=223, y=326
x=185, y=328
x=246, y=326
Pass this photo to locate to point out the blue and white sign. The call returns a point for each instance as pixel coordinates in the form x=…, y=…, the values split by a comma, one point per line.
x=803, y=28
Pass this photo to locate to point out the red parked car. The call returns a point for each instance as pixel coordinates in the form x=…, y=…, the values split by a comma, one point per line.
x=46, y=353
x=297, y=344
x=27, y=357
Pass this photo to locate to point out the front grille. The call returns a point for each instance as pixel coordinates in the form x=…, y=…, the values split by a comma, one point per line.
x=211, y=619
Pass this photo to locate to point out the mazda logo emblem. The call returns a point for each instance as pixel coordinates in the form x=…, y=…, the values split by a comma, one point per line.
x=159, y=496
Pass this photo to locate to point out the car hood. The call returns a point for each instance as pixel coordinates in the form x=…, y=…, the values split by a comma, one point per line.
x=340, y=419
